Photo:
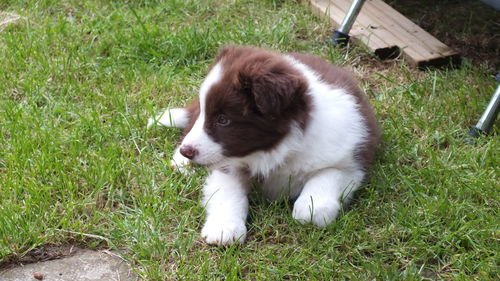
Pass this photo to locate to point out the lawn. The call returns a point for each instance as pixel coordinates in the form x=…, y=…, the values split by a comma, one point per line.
x=79, y=79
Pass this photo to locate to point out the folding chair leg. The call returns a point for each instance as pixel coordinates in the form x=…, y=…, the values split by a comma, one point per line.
x=340, y=37
x=487, y=120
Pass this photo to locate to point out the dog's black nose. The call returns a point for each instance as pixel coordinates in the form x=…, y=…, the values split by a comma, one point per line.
x=188, y=151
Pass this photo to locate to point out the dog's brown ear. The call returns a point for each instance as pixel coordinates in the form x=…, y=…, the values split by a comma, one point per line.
x=272, y=84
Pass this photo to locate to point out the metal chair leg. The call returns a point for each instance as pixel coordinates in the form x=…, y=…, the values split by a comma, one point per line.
x=487, y=120
x=340, y=37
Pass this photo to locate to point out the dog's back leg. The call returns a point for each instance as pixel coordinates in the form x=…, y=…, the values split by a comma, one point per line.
x=177, y=117
x=324, y=194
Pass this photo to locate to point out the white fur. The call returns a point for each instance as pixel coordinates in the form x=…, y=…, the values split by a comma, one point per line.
x=226, y=204
x=323, y=195
x=316, y=166
x=209, y=152
x=176, y=117
x=224, y=193
x=179, y=162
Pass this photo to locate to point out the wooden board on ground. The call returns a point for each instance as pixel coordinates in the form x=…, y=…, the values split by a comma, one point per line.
x=388, y=33
x=7, y=18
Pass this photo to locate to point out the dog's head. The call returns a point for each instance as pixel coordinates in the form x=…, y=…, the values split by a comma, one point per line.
x=248, y=102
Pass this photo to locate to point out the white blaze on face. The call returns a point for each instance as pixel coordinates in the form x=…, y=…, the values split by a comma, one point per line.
x=208, y=151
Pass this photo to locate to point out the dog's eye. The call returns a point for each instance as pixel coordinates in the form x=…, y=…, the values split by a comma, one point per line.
x=222, y=120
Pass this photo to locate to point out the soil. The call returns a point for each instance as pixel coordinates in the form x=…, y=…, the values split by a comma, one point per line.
x=469, y=26
x=41, y=254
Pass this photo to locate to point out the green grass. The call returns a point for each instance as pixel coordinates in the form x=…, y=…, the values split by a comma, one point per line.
x=78, y=80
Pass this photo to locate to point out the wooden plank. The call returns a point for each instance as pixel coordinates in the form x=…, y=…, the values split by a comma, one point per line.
x=385, y=31
x=418, y=44
x=371, y=33
x=438, y=52
x=331, y=10
x=7, y=18
x=389, y=32
x=325, y=8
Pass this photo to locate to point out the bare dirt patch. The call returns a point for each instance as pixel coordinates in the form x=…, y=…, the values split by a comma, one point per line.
x=41, y=254
x=469, y=26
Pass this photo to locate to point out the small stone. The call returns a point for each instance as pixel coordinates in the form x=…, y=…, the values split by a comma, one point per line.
x=38, y=276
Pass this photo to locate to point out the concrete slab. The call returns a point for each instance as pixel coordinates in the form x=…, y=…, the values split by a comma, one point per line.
x=85, y=265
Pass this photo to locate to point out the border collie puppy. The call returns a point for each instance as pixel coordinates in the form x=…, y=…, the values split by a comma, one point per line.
x=297, y=124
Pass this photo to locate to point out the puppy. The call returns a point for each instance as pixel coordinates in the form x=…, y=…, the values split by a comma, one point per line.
x=297, y=124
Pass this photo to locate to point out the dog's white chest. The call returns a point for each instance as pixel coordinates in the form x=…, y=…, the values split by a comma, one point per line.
x=283, y=183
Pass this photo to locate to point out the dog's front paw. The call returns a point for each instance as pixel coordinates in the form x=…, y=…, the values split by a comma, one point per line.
x=319, y=212
x=223, y=233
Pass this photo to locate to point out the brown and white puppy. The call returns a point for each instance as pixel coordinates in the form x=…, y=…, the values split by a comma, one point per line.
x=295, y=122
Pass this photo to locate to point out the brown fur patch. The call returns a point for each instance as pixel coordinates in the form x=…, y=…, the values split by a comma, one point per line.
x=193, y=110
x=261, y=95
